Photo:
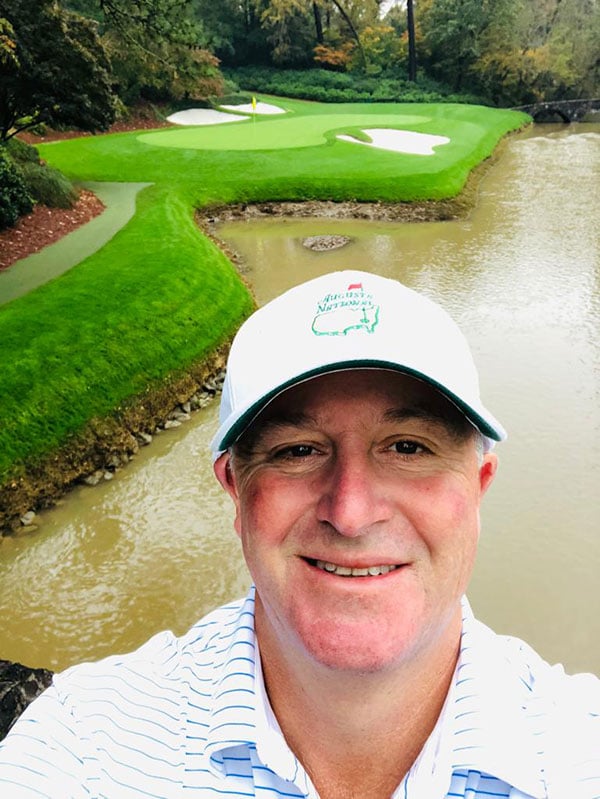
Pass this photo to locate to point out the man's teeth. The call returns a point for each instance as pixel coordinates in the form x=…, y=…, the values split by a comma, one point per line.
x=347, y=571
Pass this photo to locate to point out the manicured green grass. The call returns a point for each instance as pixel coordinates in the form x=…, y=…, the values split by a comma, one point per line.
x=122, y=320
x=160, y=296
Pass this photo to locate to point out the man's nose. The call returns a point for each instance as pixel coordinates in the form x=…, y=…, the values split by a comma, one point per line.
x=354, y=496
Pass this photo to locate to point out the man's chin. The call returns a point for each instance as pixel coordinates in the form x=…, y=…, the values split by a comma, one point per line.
x=352, y=647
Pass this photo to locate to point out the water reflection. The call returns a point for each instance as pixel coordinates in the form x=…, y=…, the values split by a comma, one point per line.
x=155, y=548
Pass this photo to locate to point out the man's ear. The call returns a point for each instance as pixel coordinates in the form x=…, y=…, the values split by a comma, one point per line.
x=226, y=477
x=487, y=471
x=224, y=474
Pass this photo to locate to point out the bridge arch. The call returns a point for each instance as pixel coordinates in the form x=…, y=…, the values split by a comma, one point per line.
x=567, y=110
x=542, y=112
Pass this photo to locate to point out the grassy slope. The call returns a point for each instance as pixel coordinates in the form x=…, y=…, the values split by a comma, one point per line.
x=125, y=318
x=159, y=296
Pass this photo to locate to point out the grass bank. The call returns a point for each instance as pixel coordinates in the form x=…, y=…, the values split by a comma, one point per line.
x=160, y=297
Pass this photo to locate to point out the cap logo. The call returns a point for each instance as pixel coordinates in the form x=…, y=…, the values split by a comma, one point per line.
x=339, y=313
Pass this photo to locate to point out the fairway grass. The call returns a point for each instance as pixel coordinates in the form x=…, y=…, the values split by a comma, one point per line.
x=160, y=296
x=124, y=319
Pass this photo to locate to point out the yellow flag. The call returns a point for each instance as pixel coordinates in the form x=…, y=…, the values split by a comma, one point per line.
x=253, y=103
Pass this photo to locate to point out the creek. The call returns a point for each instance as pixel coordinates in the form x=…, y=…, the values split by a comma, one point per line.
x=154, y=547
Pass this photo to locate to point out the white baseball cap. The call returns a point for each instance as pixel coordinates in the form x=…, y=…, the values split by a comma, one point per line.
x=346, y=320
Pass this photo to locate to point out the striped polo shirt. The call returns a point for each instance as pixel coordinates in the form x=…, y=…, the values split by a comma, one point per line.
x=189, y=717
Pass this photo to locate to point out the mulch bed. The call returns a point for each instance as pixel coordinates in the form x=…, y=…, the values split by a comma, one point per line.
x=45, y=225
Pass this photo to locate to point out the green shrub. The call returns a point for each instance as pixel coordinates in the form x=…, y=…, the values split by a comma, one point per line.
x=44, y=184
x=343, y=87
x=21, y=152
x=14, y=197
x=234, y=98
x=48, y=186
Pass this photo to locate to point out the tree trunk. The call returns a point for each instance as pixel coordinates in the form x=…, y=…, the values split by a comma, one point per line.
x=318, y=23
x=412, y=50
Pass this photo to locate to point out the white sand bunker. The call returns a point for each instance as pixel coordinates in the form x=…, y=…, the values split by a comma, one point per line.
x=261, y=108
x=203, y=116
x=400, y=141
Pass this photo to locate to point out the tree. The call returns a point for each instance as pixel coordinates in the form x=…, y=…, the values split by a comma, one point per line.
x=232, y=29
x=573, y=45
x=161, y=46
x=328, y=24
x=318, y=16
x=451, y=31
x=513, y=51
x=532, y=50
x=289, y=28
x=53, y=69
x=8, y=46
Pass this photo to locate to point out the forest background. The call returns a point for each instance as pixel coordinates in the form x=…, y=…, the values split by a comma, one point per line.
x=82, y=64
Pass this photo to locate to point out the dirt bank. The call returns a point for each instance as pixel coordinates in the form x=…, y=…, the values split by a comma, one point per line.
x=107, y=444
x=425, y=211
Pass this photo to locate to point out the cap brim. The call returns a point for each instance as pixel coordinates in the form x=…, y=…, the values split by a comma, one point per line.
x=233, y=427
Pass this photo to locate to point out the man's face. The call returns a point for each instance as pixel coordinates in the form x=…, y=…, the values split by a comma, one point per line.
x=357, y=503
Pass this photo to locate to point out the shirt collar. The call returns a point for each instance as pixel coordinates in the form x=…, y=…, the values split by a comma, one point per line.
x=272, y=747
x=485, y=725
x=241, y=712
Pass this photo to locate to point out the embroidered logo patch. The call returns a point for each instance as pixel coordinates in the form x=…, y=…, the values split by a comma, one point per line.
x=340, y=312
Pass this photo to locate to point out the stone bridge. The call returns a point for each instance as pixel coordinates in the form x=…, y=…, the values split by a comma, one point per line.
x=567, y=110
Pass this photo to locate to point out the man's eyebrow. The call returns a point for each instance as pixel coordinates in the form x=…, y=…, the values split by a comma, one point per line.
x=451, y=422
x=418, y=412
x=260, y=428
x=285, y=419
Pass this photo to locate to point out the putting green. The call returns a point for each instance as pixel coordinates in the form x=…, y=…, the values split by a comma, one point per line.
x=277, y=134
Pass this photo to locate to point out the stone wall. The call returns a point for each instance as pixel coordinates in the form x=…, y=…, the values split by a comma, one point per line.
x=19, y=685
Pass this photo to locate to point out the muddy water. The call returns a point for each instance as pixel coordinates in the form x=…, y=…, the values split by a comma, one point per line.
x=154, y=547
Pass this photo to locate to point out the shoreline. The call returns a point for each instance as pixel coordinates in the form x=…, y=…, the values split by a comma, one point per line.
x=107, y=444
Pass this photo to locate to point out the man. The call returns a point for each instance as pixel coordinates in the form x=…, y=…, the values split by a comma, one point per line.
x=356, y=450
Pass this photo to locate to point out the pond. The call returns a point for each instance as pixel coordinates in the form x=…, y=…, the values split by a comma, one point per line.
x=154, y=548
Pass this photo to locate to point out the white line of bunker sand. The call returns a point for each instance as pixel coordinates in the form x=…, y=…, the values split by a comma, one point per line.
x=399, y=141
x=260, y=108
x=210, y=116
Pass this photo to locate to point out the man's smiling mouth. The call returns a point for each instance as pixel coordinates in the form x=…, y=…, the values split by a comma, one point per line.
x=348, y=571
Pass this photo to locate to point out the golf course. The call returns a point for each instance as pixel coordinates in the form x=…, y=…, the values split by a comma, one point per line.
x=152, y=299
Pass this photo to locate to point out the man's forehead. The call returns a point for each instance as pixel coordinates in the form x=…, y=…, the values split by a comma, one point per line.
x=394, y=397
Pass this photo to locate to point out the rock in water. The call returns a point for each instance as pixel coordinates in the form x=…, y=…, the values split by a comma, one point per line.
x=325, y=243
x=19, y=686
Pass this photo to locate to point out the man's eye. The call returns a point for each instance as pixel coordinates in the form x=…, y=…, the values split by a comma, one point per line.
x=408, y=447
x=296, y=451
